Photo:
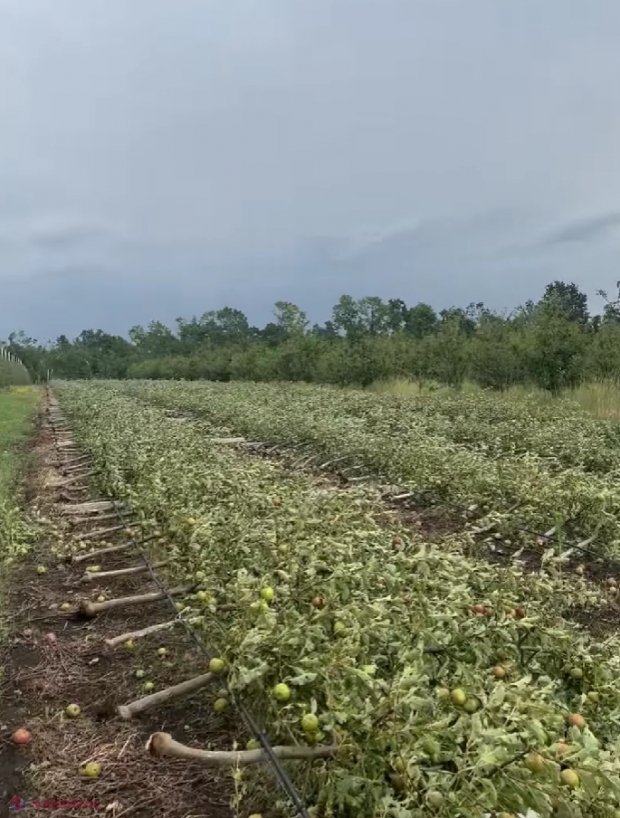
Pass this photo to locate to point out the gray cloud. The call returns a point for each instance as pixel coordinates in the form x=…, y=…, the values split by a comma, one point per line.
x=66, y=233
x=585, y=230
x=159, y=160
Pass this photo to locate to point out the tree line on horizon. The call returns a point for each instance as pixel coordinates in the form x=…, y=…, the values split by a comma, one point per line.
x=553, y=344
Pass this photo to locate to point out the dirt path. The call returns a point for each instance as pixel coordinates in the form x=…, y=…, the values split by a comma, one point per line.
x=52, y=659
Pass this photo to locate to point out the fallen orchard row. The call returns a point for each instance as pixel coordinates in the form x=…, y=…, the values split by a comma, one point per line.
x=392, y=439
x=60, y=683
x=489, y=423
x=446, y=683
x=154, y=701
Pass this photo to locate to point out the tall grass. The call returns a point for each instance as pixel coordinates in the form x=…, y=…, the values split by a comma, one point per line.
x=599, y=398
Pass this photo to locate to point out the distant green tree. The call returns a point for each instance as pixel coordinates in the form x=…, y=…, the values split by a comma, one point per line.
x=397, y=314
x=369, y=316
x=292, y=321
x=554, y=349
x=328, y=330
x=495, y=361
x=421, y=321
x=569, y=302
x=553, y=343
x=157, y=340
x=602, y=356
x=346, y=317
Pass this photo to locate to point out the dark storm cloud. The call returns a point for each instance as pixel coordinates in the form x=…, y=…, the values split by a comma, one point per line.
x=159, y=159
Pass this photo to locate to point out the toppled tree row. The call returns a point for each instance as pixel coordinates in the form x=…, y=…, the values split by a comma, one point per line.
x=448, y=684
x=163, y=742
x=522, y=463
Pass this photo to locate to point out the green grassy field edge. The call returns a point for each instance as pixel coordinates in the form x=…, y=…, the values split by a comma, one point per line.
x=18, y=407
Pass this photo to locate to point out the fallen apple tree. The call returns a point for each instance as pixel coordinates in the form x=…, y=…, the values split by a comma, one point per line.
x=111, y=515
x=162, y=744
x=70, y=463
x=226, y=440
x=71, y=481
x=66, y=444
x=101, y=552
x=91, y=609
x=89, y=576
x=92, y=507
x=70, y=469
x=128, y=711
x=125, y=637
x=103, y=532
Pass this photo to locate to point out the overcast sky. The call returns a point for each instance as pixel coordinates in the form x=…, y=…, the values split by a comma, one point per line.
x=166, y=157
